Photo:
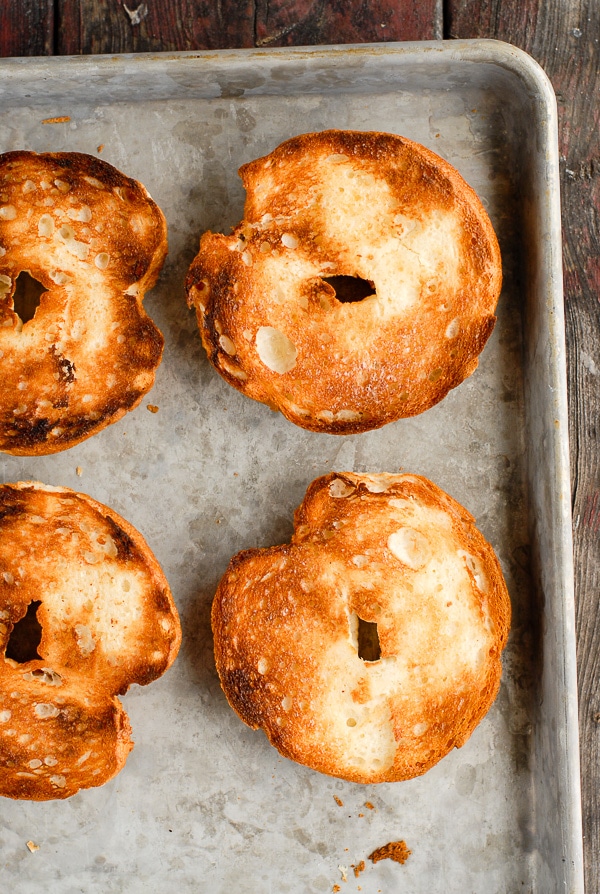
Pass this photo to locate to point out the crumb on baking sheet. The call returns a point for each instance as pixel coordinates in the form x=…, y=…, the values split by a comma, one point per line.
x=369, y=806
x=336, y=888
x=79, y=471
x=358, y=868
x=60, y=119
x=153, y=408
x=100, y=147
x=338, y=801
x=33, y=847
x=344, y=873
x=394, y=850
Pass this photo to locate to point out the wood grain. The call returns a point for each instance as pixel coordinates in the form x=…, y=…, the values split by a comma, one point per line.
x=27, y=28
x=72, y=27
x=311, y=22
x=111, y=26
x=565, y=38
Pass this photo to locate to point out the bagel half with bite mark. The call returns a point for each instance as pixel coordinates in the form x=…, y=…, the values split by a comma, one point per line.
x=359, y=288
x=369, y=646
x=87, y=578
x=95, y=242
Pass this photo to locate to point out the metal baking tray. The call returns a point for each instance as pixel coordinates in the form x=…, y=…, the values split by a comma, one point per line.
x=204, y=803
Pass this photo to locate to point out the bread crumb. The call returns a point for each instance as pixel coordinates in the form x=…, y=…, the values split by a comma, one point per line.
x=394, y=850
x=100, y=147
x=33, y=847
x=343, y=870
x=336, y=888
x=60, y=119
x=369, y=806
x=360, y=867
x=153, y=408
x=79, y=471
x=338, y=801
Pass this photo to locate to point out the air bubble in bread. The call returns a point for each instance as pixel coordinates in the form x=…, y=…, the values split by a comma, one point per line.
x=85, y=611
x=94, y=242
x=369, y=646
x=360, y=287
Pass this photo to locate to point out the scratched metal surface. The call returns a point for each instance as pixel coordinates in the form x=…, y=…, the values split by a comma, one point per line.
x=203, y=802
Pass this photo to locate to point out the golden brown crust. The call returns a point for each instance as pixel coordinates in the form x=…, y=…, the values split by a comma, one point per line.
x=390, y=550
x=107, y=620
x=373, y=206
x=55, y=741
x=96, y=241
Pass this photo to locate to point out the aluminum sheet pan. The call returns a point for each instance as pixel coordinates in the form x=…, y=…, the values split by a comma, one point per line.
x=204, y=803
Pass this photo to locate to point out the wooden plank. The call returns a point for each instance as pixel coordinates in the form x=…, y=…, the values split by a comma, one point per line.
x=564, y=36
x=111, y=26
x=315, y=22
x=27, y=28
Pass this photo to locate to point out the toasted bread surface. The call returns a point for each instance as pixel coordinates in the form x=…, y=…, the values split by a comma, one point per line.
x=107, y=620
x=96, y=241
x=326, y=210
x=392, y=552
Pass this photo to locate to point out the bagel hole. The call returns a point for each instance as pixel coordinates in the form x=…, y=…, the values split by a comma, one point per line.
x=350, y=289
x=369, y=648
x=26, y=636
x=26, y=299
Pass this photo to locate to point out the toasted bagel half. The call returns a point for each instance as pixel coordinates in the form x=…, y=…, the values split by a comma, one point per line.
x=95, y=242
x=85, y=611
x=359, y=288
x=369, y=646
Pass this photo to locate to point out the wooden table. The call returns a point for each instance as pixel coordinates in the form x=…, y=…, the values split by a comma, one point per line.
x=564, y=36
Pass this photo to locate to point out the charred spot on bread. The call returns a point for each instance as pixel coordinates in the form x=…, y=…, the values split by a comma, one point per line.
x=360, y=287
x=91, y=242
x=369, y=646
x=244, y=687
x=85, y=611
x=123, y=542
x=29, y=433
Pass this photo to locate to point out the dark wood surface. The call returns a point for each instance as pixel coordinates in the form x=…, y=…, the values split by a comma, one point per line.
x=564, y=36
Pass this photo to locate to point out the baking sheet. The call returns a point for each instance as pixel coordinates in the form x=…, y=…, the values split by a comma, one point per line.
x=205, y=803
